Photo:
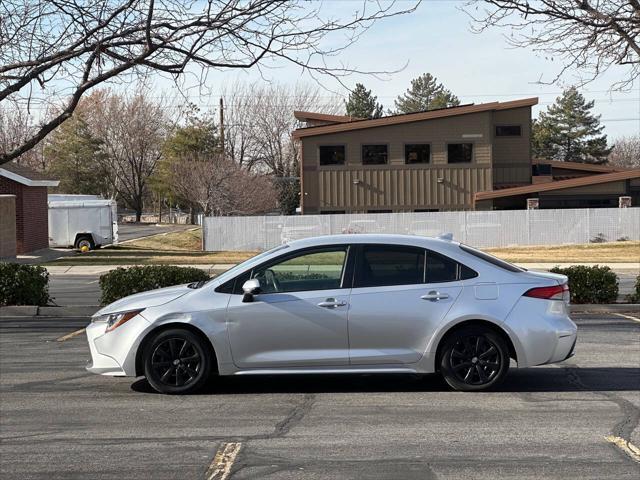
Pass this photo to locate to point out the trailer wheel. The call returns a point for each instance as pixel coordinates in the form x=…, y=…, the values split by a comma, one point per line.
x=84, y=243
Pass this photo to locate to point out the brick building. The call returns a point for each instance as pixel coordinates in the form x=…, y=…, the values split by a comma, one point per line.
x=31, y=210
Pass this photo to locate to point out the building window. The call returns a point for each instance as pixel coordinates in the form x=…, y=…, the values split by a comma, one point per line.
x=374, y=154
x=378, y=211
x=459, y=152
x=332, y=155
x=541, y=169
x=508, y=130
x=333, y=212
x=417, y=153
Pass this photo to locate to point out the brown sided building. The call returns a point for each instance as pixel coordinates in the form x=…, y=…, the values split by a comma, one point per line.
x=439, y=160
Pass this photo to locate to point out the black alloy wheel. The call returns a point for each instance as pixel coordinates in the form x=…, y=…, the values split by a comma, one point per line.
x=474, y=359
x=177, y=361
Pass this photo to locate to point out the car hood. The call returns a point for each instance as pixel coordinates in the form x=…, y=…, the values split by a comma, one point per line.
x=152, y=298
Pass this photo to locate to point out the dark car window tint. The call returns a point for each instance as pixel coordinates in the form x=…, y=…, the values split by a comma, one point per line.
x=390, y=265
x=441, y=268
x=310, y=271
x=466, y=273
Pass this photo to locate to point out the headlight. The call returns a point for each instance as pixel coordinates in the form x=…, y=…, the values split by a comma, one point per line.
x=114, y=320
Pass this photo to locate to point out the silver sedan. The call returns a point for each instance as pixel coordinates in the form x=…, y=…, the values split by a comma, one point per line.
x=342, y=304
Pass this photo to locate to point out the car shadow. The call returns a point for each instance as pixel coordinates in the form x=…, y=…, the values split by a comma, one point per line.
x=528, y=380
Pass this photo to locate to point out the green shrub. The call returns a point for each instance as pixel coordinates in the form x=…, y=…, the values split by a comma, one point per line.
x=23, y=284
x=122, y=282
x=591, y=284
x=635, y=296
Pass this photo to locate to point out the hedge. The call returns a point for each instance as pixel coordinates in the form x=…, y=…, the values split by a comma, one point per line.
x=595, y=284
x=123, y=282
x=23, y=284
x=635, y=296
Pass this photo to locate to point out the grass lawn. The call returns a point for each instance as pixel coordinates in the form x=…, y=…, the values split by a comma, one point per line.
x=183, y=248
x=611, y=252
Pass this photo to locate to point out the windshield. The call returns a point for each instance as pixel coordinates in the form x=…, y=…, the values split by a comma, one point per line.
x=242, y=265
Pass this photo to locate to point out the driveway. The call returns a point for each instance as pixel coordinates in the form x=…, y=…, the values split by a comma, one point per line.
x=59, y=422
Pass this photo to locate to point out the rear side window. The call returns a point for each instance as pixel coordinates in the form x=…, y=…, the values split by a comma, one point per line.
x=385, y=265
x=491, y=259
x=441, y=269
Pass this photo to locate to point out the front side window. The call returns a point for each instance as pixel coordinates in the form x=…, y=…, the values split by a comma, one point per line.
x=384, y=265
x=318, y=270
x=332, y=155
x=508, y=131
x=374, y=154
x=417, y=153
x=459, y=152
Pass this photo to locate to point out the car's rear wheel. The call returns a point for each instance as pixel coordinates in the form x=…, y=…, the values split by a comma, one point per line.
x=177, y=361
x=474, y=359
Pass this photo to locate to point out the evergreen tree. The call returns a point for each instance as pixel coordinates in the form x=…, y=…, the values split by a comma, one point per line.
x=362, y=104
x=569, y=132
x=425, y=93
x=77, y=159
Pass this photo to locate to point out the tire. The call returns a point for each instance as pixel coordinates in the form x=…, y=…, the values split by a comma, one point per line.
x=84, y=243
x=177, y=361
x=474, y=359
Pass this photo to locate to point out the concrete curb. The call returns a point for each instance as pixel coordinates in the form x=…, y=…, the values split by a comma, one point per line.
x=607, y=308
x=35, y=311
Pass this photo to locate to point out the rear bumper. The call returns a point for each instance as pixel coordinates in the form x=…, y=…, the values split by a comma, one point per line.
x=544, y=330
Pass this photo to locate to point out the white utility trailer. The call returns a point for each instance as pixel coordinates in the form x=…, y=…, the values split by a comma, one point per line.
x=82, y=221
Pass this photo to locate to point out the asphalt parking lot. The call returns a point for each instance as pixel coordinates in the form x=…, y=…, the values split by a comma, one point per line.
x=57, y=421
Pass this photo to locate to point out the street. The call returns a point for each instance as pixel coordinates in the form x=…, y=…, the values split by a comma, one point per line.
x=58, y=421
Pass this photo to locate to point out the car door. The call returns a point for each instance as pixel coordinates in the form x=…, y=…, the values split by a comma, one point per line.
x=300, y=317
x=400, y=294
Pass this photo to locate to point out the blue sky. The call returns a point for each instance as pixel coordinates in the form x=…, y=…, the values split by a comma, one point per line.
x=476, y=67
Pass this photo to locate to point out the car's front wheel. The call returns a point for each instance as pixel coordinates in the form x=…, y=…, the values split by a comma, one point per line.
x=474, y=359
x=177, y=361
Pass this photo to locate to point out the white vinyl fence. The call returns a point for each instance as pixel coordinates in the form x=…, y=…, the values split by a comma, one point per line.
x=480, y=229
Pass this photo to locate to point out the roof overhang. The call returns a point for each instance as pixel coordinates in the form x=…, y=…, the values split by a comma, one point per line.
x=559, y=185
x=27, y=181
x=412, y=117
x=583, y=167
x=322, y=117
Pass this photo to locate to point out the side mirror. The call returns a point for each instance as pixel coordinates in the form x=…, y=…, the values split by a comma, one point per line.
x=250, y=288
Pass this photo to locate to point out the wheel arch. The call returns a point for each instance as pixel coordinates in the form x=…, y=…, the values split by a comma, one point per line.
x=514, y=352
x=82, y=235
x=139, y=364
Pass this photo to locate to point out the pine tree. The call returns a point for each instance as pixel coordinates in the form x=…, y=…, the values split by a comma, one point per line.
x=362, y=104
x=569, y=132
x=77, y=159
x=425, y=93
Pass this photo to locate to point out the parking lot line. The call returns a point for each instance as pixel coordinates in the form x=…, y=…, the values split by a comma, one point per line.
x=70, y=335
x=628, y=317
x=627, y=447
x=222, y=462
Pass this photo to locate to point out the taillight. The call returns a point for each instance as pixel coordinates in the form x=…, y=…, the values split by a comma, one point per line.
x=555, y=292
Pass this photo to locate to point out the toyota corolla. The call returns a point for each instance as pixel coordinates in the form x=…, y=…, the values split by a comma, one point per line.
x=342, y=304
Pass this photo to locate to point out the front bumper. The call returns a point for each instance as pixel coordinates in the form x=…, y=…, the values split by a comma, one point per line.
x=114, y=353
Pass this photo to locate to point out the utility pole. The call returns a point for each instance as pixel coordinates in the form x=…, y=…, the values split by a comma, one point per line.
x=222, y=125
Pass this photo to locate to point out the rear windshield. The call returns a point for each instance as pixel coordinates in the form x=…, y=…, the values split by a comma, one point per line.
x=491, y=259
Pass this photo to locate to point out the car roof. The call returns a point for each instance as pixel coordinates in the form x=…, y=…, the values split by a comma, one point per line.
x=415, y=240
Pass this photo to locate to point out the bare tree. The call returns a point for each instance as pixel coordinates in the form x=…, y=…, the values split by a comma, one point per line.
x=218, y=186
x=16, y=126
x=132, y=130
x=626, y=152
x=56, y=49
x=589, y=35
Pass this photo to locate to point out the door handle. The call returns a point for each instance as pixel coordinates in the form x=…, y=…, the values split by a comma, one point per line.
x=332, y=303
x=435, y=296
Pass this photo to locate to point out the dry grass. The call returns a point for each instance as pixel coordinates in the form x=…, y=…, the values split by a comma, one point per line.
x=186, y=240
x=614, y=252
